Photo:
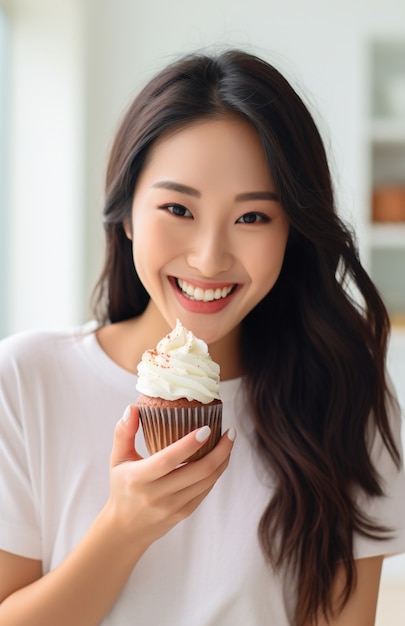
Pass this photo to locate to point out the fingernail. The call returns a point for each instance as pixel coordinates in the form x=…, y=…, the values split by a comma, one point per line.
x=231, y=434
x=126, y=415
x=203, y=433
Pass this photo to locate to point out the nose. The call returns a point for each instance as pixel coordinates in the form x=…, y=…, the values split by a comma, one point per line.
x=210, y=253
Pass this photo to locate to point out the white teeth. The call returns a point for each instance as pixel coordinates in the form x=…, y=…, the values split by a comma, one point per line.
x=208, y=295
x=198, y=294
x=205, y=295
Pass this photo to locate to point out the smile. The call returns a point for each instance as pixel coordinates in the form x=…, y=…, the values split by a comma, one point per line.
x=203, y=295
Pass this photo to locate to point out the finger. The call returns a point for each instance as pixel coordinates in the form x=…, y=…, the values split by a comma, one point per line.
x=124, y=437
x=186, y=508
x=165, y=461
x=192, y=504
x=177, y=478
x=208, y=468
x=182, y=503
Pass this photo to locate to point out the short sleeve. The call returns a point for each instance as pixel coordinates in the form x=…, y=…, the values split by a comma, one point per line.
x=19, y=528
x=388, y=510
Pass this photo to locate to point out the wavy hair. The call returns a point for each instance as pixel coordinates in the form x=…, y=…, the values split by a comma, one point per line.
x=314, y=356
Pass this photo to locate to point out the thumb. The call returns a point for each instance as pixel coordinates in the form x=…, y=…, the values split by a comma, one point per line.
x=124, y=437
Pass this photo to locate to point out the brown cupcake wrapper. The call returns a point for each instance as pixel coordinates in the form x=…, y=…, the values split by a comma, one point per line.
x=163, y=426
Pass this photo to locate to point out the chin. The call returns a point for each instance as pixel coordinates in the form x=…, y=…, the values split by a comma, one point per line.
x=210, y=329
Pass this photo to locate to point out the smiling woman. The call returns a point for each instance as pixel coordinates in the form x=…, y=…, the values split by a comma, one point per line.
x=207, y=201
x=220, y=212
x=306, y=346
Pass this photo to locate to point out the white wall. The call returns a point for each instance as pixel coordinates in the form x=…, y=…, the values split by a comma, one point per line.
x=77, y=63
x=3, y=161
x=45, y=238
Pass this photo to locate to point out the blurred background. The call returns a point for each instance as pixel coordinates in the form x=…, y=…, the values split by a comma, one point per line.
x=69, y=69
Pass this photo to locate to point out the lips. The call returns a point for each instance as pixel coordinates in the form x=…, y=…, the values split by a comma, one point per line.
x=198, y=298
x=203, y=295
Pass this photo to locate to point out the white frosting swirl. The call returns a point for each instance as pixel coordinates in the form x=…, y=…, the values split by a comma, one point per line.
x=179, y=367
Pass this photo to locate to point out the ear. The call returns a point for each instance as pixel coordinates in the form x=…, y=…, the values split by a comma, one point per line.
x=127, y=226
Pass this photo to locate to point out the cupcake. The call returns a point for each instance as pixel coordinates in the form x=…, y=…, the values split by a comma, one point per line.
x=179, y=385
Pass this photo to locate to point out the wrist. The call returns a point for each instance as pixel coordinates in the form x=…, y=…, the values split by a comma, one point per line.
x=119, y=533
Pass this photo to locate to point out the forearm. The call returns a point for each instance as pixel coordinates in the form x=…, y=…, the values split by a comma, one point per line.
x=360, y=609
x=82, y=589
x=148, y=497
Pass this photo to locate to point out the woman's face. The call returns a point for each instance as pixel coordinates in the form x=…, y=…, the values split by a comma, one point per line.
x=209, y=234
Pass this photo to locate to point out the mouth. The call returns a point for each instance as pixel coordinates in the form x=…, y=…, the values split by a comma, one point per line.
x=199, y=294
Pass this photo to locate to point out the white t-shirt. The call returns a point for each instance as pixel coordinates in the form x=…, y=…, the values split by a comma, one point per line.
x=60, y=398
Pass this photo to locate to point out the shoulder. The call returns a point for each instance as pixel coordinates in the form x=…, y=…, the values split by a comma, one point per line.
x=24, y=341
x=377, y=444
x=387, y=510
x=28, y=349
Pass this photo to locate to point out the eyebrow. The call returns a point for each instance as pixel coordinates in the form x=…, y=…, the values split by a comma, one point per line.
x=190, y=191
x=256, y=195
x=171, y=184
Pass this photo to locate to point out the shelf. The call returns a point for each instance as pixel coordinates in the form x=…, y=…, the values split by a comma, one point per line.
x=388, y=86
x=398, y=332
x=398, y=325
x=387, y=130
x=387, y=265
x=386, y=174
x=388, y=162
x=388, y=235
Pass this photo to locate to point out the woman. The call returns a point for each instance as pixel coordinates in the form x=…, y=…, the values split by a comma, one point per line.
x=219, y=195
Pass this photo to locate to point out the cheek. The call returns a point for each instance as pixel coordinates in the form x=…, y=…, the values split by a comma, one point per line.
x=154, y=244
x=265, y=262
x=149, y=226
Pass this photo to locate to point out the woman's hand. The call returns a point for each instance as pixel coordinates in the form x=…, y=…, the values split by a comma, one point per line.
x=149, y=496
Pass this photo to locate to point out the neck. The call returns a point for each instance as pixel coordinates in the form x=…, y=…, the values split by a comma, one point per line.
x=226, y=352
x=150, y=327
x=125, y=342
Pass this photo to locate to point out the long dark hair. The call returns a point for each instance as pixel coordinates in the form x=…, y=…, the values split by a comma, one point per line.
x=313, y=349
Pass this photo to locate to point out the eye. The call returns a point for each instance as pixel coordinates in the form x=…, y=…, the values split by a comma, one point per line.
x=253, y=218
x=177, y=209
